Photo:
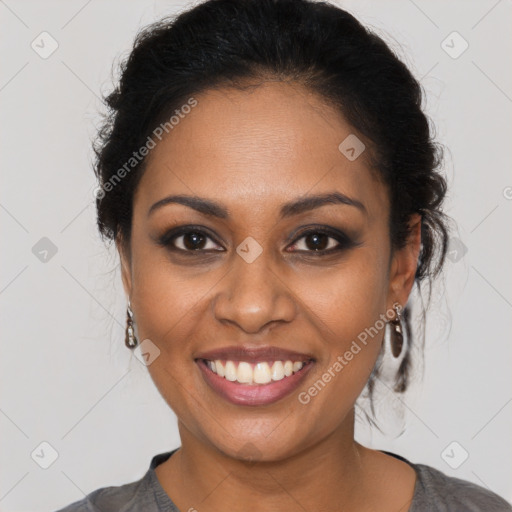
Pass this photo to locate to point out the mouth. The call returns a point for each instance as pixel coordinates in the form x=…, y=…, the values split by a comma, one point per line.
x=246, y=377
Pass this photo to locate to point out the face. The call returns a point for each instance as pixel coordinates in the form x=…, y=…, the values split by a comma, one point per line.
x=252, y=276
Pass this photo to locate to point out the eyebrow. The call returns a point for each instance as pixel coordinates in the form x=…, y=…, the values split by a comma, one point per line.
x=295, y=207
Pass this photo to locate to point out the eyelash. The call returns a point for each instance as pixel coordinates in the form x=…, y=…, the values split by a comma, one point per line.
x=344, y=242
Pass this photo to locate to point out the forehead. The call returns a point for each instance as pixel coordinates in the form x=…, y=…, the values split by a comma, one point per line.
x=256, y=148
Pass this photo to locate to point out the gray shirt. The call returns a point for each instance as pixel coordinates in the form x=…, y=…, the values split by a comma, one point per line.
x=434, y=492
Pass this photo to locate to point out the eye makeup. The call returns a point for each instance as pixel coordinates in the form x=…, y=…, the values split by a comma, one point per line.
x=196, y=240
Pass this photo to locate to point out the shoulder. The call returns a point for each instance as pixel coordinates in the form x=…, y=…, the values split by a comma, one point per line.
x=125, y=497
x=437, y=491
x=144, y=494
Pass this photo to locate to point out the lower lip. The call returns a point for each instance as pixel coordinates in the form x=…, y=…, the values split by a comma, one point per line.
x=253, y=394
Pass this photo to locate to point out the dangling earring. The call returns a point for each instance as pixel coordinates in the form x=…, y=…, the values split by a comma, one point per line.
x=397, y=336
x=130, y=339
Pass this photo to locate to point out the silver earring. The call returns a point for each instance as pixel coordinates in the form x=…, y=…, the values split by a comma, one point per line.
x=130, y=339
x=397, y=336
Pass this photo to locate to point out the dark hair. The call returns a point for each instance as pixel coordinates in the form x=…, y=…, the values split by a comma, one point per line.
x=232, y=43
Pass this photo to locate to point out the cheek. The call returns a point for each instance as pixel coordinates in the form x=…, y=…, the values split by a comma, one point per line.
x=163, y=297
x=348, y=307
x=350, y=297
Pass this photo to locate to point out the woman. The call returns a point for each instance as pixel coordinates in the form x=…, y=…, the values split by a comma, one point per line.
x=271, y=185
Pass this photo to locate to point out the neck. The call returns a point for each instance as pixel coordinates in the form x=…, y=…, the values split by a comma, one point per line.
x=325, y=476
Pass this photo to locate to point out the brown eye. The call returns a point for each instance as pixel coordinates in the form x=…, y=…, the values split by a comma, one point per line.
x=189, y=241
x=322, y=241
x=316, y=241
x=193, y=241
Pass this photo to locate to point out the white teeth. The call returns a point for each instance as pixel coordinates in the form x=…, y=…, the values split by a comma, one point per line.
x=262, y=373
x=277, y=370
x=297, y=366
x=230, y=371
x=244, y=373
x=219, y=368
x=259, y=373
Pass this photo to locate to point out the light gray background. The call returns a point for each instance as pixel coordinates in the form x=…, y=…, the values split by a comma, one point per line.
x=66, y=377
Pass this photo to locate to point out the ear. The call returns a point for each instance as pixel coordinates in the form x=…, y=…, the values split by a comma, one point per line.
x=404, y=265
x=125, y=263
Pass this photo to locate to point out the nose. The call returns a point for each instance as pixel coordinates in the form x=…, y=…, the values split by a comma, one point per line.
x=253, y=296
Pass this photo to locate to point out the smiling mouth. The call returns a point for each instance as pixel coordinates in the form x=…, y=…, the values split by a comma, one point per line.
x=259, y=373
x=255, y=383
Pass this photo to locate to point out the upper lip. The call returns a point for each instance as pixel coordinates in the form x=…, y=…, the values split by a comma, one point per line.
x=254, y=354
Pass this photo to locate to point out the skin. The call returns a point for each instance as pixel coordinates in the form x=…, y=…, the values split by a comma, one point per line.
x=251, y=151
